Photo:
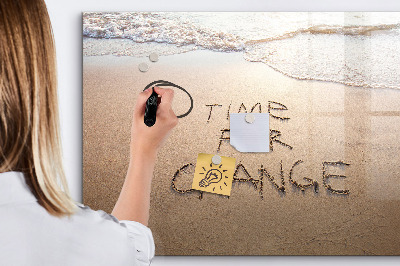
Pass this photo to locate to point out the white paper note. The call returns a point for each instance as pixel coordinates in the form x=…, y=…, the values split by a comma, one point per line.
x=249, y=137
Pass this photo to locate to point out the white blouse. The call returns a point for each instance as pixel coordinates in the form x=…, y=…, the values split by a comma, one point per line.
x=29, y=235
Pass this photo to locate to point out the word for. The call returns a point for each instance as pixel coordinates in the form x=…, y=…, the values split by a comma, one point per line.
x=273, y=138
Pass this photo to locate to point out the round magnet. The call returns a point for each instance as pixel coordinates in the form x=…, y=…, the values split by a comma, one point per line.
x=153, y=57
x=143, y=67
x=216, y=159
x=250, y=118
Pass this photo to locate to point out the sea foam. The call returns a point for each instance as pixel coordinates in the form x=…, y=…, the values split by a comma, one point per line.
x=357, y=49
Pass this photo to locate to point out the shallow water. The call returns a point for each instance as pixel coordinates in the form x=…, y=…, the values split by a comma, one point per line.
x=357, y=49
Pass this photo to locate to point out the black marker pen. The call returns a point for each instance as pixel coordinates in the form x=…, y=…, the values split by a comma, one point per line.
x=151, y=109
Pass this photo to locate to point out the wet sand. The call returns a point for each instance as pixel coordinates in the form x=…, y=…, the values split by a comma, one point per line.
x=328, y=122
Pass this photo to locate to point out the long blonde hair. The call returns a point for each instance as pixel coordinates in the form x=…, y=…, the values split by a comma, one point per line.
x=29, y=123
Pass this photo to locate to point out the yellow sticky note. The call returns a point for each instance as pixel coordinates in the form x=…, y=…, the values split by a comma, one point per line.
x=214, y=178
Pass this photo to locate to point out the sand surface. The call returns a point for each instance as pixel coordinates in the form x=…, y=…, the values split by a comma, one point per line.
x=328, y=122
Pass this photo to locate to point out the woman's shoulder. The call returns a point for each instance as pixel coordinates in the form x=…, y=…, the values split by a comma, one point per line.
x=139, y=236
x=85, y=211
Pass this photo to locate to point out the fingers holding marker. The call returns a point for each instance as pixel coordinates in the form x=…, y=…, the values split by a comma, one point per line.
x=141, y=102
x=167, y=95
x=165, y=106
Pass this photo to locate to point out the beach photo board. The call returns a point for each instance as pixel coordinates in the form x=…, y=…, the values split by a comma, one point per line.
x=289, y=136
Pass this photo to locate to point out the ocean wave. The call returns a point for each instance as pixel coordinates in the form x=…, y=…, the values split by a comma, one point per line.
x=355, y=30
x=366, y=60
x=363, y=51
x=126, y=47
x=157, y=27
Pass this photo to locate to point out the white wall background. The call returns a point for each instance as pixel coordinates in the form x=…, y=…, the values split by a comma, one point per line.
x=66, y=20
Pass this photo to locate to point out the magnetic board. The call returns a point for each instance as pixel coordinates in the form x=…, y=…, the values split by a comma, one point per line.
x=329, y=84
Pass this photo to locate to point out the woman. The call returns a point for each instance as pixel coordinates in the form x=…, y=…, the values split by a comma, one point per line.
x=39, y=222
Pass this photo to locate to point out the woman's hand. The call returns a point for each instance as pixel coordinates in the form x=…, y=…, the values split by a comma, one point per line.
x=134, y=201
x=150, y=139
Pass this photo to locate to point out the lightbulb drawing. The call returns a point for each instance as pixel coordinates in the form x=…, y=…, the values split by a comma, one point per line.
x=213, y=178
